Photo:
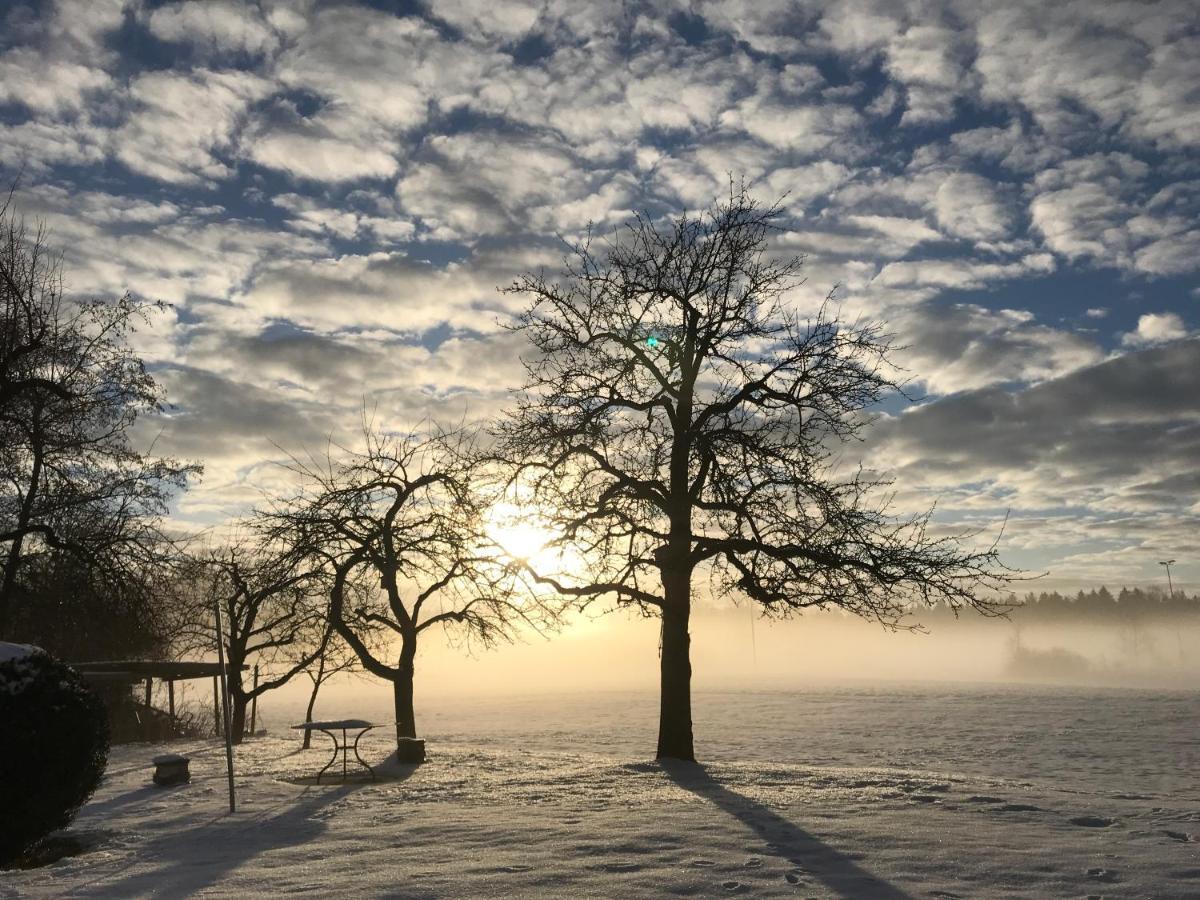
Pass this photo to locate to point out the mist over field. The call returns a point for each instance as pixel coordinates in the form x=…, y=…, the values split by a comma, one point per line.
x=732, y=651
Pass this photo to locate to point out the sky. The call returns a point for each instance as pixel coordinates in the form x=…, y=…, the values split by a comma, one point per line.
x=329, y=195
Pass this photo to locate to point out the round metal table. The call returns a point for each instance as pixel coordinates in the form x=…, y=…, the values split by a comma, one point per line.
x=362, y=726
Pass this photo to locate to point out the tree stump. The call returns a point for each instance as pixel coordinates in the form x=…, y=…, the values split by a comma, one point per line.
x=171, y=768
x=410, y=750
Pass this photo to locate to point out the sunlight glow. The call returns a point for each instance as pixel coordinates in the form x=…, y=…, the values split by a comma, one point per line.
x=517, y=534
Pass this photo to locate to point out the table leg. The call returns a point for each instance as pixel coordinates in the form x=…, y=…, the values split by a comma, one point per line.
x=361, y=761
x=333, y=758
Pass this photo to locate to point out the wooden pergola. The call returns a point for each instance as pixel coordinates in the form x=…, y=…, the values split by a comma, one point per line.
x=132, y=671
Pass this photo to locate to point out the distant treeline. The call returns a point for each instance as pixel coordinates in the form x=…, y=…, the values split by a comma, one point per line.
x=1095, y=606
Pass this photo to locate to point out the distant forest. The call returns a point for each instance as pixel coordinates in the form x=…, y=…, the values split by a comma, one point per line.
x=1094, y=607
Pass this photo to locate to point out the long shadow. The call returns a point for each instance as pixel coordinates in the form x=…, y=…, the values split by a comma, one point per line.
x=102, y=808
x=192, y=860
x=832, y=868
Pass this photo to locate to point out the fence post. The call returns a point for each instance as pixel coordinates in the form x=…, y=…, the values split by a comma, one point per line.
x=254, y=702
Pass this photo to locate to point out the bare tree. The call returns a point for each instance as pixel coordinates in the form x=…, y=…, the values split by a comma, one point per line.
x=71, y=389
x=335, y=658
x=399, y=527
x=274, y=613
x=680, y=421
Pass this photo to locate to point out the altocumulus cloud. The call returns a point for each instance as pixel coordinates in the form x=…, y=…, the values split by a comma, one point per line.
x=329, y=194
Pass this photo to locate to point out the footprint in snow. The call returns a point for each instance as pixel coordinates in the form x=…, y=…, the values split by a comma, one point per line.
x=702, y=863
x=752, y=863
x=731, y=885
x=1102, y=874
x=794, y=877
x=1093, y=821
x=621, y=867
x=1019, y=807
x=1182, y=836
x=516, y=868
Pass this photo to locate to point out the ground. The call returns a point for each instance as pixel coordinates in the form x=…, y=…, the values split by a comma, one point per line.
x=499, y=821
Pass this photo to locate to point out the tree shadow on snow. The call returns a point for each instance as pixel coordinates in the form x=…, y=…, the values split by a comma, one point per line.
x=197, y=858
x=834, y=869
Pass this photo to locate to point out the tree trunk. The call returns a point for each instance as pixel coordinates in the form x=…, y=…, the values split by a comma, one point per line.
x=675, y=709
x=24, y=517
x=402, y=687
x=312, y=702
x=237, y=715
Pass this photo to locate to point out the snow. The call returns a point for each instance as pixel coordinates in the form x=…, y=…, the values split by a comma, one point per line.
x=15, y=651
x=827, y=793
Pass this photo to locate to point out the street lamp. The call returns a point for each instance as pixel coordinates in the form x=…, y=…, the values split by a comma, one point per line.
x=1168, y=563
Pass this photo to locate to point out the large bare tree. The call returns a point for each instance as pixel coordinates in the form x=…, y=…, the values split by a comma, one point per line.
x=72, y=480
x=399, y=525
x=680, y=422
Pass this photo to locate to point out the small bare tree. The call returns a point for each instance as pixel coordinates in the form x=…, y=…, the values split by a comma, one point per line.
x=274, y=613
x=335, y=658
x=680, y=421
x=400, y=530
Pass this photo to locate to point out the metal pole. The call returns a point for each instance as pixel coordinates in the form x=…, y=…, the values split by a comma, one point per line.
x=254, y=701
x=1166, y=563
x=216, y=707
x=1170, y=585
x=225, y=704
x=171, y=700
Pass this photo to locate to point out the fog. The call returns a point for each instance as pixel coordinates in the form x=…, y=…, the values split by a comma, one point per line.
x=733, y=650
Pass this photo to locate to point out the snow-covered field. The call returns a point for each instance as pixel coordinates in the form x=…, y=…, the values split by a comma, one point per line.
x=834, y=792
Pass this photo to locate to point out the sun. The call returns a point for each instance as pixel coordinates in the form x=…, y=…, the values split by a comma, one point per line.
x=515, y=531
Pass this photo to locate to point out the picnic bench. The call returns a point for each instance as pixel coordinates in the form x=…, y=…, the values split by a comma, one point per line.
x=345, y=726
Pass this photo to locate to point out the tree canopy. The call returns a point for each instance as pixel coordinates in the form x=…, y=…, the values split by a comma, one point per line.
x=682, y=420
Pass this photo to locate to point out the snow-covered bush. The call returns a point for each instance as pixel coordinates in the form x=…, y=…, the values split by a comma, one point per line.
x=53, y=747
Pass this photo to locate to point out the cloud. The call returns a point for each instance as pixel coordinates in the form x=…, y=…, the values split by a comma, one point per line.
x=1101, y=207
x=28, y=78
x=966, y=347
x=1120, y=65
x=931, y=61
x=173, y=252
x=376, y=69
x=318, y=151
x=970, y=206
x=180, y=122
x=330, y=193
x=1155, y=328
x=806, y=129
x=384, y=290
x=486, y=183
x=1087, y=432
x=495, y=19
x=218, y=26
